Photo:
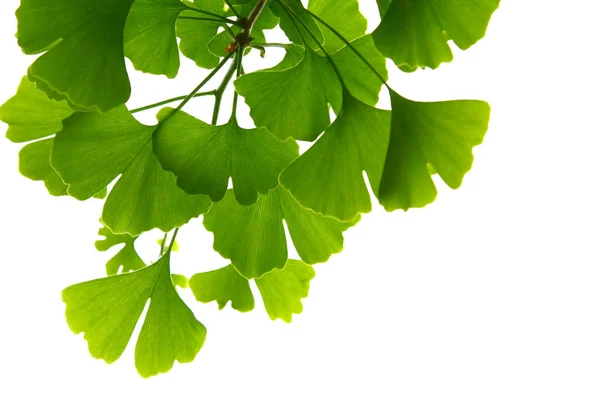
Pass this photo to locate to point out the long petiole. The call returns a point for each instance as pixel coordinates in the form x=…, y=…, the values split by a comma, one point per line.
x=217, y=16
x=204, y=82
x=219, y=21
x=221, y=89
x=280, y=45
x=296, y=20
x=350, y=45
x=238, y=61
x=163, y=245
x=170, y=249
x=162, y=103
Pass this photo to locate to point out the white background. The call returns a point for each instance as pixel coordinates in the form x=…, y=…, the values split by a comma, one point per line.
x=493, y=292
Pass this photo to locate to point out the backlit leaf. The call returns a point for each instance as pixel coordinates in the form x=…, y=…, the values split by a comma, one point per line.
x=204, y=157
x=441, y=134
x=95, y=148
x=82, y=42
x=328, y=178
x=415, y=33
x=282, y=290
x=31, y=116
x=150, y=38
x=253, y=237
x=303, y=111
x=107, y=311
x=127, y=259
x=223, y=286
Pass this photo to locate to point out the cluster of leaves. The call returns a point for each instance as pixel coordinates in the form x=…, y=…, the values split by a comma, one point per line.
x=83, y=141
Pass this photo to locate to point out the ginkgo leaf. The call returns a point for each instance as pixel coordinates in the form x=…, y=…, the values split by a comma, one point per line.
x=223, y=286
x=328, y=177
x=415, y=33
x=290, y=28
x=93, y=149
x=196, y=34
x=204, y=157
x=82, y=42
x=107, y=311
x=296, y=93
x=150, y=38
x=358, y=77
x=344, y=16
x=440, y=134
x=253, y=237
x=127, y=259
x=31, y=116
x=283, y=290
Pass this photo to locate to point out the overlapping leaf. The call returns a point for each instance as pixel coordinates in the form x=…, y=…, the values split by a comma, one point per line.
x=254, y=239
x=82, y=42
x=301, y=94
x=195, y=35
x=360, y=81
x=415, y=33
x=282, y=291
x=291, y=27
x=32, y=117
x=204, y=157
x=95, y=148
x=150, y=38
x=107, y=311
x=344, y=16
x=328, y=178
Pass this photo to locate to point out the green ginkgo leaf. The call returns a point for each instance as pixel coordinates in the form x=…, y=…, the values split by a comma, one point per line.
x=204, y=157
x=415, y=33
x=223, y=286
x=82, y=42
x=253, y=237
x=328, y=177
x=440, y=134
x=30, y=116
x=345, y=17
x=94, y=149
x=195, y=34
x=361, y=82
x=303, y=111
x=290, y=27
x=127, y=258
x=150, y=38
x=107, y=311
x=282, y=290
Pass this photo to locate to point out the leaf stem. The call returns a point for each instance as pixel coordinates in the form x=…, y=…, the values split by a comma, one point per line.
x=244, y=38
x=219, y=21
x=350, y=45
x=163, y=245
x=280, y=45
x=238, y=62
x=219, y=17
x=170, y=249
x=162, y=103
x=221, y=89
